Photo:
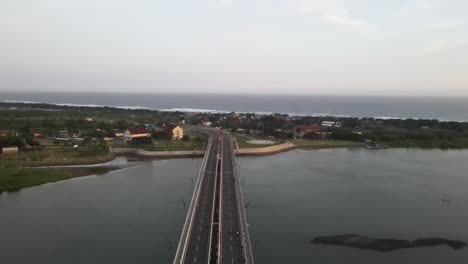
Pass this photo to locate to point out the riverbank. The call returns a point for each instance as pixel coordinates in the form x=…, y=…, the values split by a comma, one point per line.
x=14, y=179
x=297, y=144
x=59, y=156
x=141, y=153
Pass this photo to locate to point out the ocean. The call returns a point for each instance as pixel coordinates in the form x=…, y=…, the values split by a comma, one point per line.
x=442, y=108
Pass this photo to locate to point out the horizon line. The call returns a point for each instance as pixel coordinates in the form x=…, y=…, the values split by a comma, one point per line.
x=229, y=93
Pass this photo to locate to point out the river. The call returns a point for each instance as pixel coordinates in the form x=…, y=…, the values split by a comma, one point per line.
x=135, y=215
x=395, y=193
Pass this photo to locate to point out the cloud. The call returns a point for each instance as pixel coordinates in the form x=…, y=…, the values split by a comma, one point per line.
x=333, y=12
x=444, y=45
x=417, y=5
x=226, y=2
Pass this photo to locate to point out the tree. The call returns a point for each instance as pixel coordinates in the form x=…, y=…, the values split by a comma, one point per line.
x=11, y=142
x=158, y=134
x=312, y=135
x=344, y=134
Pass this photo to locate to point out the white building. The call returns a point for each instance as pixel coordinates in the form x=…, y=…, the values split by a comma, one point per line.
x=331, y=124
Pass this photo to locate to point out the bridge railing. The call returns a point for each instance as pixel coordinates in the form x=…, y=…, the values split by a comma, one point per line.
x=247, y=249
x=182, y=246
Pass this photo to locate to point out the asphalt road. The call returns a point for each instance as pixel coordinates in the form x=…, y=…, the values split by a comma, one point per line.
x=199, y=235
x=230, y=227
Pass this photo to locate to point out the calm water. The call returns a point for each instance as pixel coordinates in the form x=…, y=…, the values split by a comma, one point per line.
x=298, y=195
x=443, y=108
x=129, y=216
x=135, y=215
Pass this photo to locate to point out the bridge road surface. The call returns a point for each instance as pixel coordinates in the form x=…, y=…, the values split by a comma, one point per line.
x=199, y=236
x=231, y=249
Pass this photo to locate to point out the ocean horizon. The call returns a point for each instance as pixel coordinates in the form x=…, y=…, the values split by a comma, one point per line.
x=386, y=107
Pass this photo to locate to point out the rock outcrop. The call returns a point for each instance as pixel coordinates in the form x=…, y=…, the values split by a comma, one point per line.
x=363, y=242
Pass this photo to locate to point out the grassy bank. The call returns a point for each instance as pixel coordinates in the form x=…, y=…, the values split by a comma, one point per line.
x=59, y=155
x=243, y=141
x=13, y=179
x=308, y=143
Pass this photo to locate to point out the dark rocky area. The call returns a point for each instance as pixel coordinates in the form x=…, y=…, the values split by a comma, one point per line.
x=363, y=242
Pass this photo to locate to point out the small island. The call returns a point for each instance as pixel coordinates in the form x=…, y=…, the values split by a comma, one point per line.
x=384, y=245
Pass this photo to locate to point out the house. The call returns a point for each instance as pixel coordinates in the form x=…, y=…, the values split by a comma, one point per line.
x=174, y=131
x=308, y=129
x=331, y=124
x=134, y=132
x=38, y=134
x=206, y=123
x=6, y=133
x=9, y=150
x=63, y=133
x=303, y=129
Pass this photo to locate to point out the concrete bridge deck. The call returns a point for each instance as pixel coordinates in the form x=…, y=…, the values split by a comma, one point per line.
x=215, y=230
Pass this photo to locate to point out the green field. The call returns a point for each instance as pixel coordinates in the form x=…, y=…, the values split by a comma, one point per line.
x=56, y=156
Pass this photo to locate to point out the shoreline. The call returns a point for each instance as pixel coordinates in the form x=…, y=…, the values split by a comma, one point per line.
x=21, y=178
x=240, y=152
x=69, y=170
x=214, y=111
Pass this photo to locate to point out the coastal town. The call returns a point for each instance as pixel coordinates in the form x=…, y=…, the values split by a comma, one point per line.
x=38, y=135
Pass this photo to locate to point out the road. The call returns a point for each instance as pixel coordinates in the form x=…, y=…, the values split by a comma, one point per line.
x=231, y=245
x=216, y=228
x=198, y=241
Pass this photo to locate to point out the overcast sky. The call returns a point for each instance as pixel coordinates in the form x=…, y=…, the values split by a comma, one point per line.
x=397, y=47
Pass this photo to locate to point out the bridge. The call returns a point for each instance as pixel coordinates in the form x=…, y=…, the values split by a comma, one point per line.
x=215, y=229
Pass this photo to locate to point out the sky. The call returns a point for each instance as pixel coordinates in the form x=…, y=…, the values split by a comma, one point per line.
x=336, y=47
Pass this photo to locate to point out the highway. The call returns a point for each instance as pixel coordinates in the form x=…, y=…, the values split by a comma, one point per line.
x=231, y=243
x=198, y=240
x=215, y=230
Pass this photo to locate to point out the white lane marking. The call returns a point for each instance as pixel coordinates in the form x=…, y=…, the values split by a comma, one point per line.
x=198, y=237
x=195, y=260
x=231, y=248
x=196, y=248
x=232, y=260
